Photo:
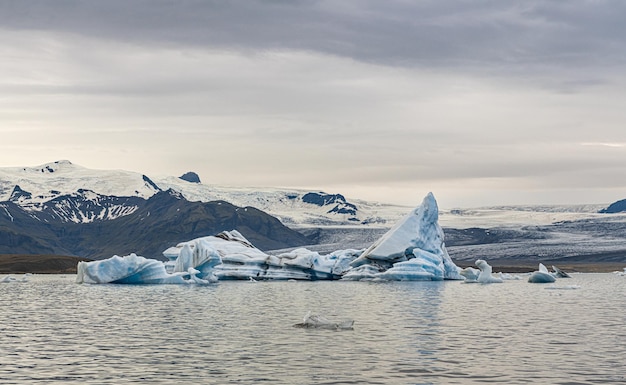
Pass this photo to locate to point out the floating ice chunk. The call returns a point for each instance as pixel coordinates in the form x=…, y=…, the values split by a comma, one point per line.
x=567, y=287
x=130, y=269
x=316, y=321
x=508, y=277
x=470, y=274
x=134, y=269
x=560, y=273
x=485, y=273
x=541, y=276
x=9, y=279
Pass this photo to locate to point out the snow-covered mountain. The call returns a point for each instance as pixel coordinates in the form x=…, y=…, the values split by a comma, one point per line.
x=65, y=191
x=68, y=192
x=62, y=208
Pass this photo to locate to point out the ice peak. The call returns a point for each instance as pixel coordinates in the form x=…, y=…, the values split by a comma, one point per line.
x=413, y=249
x=428, y=211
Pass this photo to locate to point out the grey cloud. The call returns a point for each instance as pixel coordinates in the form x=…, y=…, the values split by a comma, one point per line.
x=484, y=35
x=322, y=92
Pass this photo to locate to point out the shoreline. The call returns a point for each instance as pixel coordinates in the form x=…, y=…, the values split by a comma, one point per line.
x=39, y=264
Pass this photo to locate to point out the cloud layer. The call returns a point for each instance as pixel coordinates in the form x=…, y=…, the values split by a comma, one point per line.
x=481, y=102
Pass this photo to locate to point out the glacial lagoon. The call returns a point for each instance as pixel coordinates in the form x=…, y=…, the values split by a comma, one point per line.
x=240, y=332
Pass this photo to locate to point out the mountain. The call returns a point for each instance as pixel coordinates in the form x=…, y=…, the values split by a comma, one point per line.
x=615, y=207
x=81, y=195
x=190, y=177
x=63, y=208
x=150, y=227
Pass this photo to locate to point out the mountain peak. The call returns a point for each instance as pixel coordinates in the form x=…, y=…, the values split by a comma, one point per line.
x=49, y=168
x=190, y=177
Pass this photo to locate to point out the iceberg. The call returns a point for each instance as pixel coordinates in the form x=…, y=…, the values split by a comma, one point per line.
x=316, y=321
x=195, y=264
x=413, y=249
x=9, y=279
x=542, y=275
x=130, y=269
x=560, y=273
x=241, y=260
x=485, y=275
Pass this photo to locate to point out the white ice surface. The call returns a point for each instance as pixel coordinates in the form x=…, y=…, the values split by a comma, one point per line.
x=413, y=249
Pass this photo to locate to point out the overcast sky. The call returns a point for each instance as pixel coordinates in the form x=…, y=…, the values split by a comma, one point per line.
x=480, y=102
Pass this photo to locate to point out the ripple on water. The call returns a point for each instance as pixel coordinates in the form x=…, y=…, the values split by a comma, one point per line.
x=55, y=331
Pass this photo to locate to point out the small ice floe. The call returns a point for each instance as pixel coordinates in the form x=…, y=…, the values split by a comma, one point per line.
x=485, y=273
x=508, y=276
x=316, y=321
x=560, y=273
x=566, y=287
x=9, y=279
x=541, y=276
x=621, y=273
x=470, y=274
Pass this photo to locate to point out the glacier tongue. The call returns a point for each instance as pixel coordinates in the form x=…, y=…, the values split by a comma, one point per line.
x=412, y=250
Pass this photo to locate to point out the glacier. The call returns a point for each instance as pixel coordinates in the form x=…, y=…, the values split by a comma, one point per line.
x=413, y=249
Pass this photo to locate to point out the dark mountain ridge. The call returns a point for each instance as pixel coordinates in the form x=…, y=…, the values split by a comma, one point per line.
x=615, y=207
x=155, y=224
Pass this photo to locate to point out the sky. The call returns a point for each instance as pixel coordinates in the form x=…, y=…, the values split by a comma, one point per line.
x=481, y=102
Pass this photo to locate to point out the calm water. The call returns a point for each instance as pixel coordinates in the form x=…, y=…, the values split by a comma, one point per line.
x=55, y=331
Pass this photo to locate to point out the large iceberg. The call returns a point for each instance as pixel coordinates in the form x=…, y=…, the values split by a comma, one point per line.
x=130, y=269
x=241, y=260
x=194, y=264
x=412, y=250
